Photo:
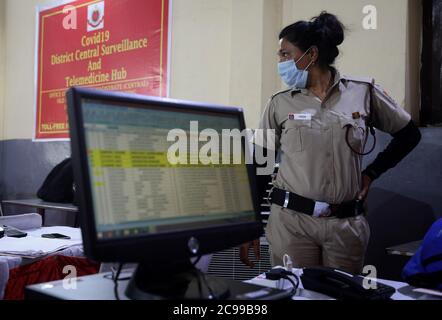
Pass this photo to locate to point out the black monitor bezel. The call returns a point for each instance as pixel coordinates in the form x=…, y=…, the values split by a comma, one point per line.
x=174, y=244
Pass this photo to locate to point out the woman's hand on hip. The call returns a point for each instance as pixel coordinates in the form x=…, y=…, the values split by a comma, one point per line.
x=244, y=252
x=366, y=183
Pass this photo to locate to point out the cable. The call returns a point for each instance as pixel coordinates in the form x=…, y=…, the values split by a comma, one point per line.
x=295, y=285
x=373, y=133
x=206, y=283
x=280, y=273
x=288, y=263
x=116, y=279
x=111, y=277
x=197, y=274
x=196, y=261
x=200, y=275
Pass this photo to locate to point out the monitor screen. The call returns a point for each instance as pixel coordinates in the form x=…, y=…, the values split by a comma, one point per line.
x=136, y=191
x=160, y=181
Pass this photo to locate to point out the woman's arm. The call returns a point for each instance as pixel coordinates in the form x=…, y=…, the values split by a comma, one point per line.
x=402, y=144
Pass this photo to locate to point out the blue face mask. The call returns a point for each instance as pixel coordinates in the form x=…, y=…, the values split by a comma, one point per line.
x=291, y=75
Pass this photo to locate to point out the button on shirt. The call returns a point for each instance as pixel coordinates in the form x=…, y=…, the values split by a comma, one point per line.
x=316, y=161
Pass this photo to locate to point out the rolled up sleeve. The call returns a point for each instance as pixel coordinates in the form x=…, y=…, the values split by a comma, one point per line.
x=269, y=132
x=387, y=115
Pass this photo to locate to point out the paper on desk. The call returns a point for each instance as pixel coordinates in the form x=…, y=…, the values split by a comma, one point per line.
x=35, y=246
x=74, y=233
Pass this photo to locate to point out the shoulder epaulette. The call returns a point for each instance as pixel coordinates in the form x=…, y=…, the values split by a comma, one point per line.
x=281, y=92
x=359, y=79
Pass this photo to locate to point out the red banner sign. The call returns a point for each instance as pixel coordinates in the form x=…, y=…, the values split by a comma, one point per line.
x=118, y=45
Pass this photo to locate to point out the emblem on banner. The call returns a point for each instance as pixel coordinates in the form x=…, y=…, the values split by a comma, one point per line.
x=95, y=16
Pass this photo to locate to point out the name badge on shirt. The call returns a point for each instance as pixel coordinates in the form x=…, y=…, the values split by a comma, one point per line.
x=300, y=117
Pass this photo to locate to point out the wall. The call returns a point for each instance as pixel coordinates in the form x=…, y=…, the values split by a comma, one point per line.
x=254, y=77
x=230, y=58
x=217, y=46
x=20, y=54
x=246, y=69
x=413, y=58
x=2, y=65
x=383, y=54
x=201, y=41
x=272, y=27
x=226, y=50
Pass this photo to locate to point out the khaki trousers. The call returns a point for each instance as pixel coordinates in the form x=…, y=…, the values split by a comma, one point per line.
x=311, y=241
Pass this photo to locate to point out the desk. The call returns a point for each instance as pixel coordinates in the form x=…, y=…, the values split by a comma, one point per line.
x=73, y=248
x=407, y=249
x=94, y=287
x=41, y=206
x=7, y=263
x=403, y=290
x=101, y=287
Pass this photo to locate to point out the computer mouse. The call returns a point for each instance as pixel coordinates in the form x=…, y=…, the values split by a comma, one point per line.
x=2, y=232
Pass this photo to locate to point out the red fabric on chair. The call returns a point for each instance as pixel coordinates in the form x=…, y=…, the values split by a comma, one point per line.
x=48, y=269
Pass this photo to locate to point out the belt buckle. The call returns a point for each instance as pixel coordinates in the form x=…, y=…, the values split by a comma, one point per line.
x=286, y=200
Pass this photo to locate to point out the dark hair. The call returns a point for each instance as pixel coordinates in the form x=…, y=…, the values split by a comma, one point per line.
x=324, y=31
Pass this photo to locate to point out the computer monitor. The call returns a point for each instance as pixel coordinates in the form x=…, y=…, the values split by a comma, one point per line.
x=138, y=203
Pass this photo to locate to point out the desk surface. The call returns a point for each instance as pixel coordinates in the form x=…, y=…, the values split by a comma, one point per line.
x=403, y=290
x=101, y=287
x=94, y=287
x=406, y=249
x=38, y=203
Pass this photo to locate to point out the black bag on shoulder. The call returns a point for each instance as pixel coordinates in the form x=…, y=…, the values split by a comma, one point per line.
x=59, y=184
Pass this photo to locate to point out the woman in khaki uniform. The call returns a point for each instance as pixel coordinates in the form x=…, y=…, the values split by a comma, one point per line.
x=320, y=127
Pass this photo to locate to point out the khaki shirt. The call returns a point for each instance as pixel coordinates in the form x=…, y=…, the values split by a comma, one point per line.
x=316, y=161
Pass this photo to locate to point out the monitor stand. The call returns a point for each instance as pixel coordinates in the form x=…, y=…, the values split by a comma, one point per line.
x=174, y=281
x=181, y=281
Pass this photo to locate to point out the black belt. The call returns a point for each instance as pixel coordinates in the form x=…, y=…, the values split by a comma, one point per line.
x=298, y=203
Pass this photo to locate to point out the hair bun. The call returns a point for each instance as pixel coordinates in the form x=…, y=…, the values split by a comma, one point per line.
x=329, y=27
x=325, y=32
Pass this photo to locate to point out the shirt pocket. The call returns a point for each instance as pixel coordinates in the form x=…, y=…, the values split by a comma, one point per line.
x=355, y=132
x=291, y=140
